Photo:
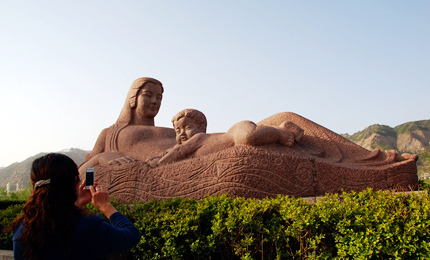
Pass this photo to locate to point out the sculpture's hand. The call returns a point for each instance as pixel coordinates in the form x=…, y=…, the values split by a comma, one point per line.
x=153, y=161
x=121, y=160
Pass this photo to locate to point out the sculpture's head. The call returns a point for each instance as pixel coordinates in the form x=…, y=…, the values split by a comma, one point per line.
x=144, y=97
x=187, y=123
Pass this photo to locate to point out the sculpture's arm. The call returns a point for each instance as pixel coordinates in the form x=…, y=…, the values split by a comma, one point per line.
x=108, y=158
x=182, y=151
x=172, y=156
x=99, y=147
x=117, y=160
x=153, y=161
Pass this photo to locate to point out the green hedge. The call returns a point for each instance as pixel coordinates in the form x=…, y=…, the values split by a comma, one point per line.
x=365, y=225
x=6, y=217
x=4, y=204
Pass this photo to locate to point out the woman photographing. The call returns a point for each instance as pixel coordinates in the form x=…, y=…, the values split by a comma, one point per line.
x=53, y=225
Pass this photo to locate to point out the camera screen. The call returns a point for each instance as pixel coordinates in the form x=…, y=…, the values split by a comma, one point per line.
x=89, y=178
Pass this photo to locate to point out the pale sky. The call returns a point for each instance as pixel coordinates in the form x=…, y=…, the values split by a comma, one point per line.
x=66, y=66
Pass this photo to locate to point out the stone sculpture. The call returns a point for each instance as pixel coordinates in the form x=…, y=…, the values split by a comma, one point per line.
x=283, y=154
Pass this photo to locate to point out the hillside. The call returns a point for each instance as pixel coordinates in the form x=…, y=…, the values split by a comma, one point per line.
x=411, y=137
x=20, y=172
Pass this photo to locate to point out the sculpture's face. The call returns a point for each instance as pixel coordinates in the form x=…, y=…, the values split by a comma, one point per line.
x=185, y=128
x=149, y=100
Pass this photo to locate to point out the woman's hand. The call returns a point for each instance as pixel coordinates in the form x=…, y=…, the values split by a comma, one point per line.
x=100, y=200
x=84, y=195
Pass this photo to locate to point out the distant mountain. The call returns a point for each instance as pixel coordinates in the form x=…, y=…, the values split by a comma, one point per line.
x=411, y=137
x=20, y=172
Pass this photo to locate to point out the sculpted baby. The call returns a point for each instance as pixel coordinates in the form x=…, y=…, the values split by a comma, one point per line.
x=192, y=140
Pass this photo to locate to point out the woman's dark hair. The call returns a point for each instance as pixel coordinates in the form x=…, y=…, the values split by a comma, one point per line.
x=49, y=213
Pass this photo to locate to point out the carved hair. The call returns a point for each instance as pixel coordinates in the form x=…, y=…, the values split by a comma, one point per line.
x=130, y=101
x=49, y=213
x=198, y=117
